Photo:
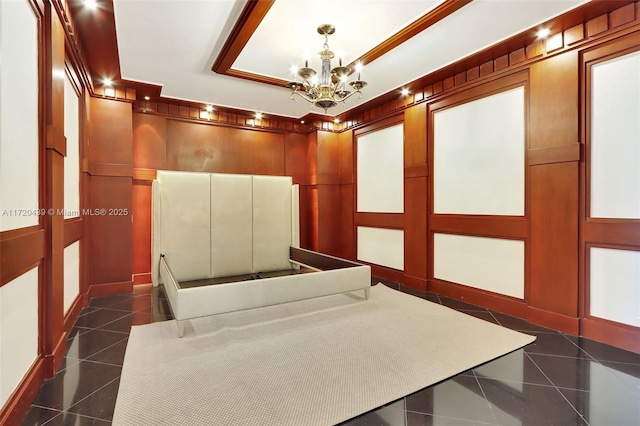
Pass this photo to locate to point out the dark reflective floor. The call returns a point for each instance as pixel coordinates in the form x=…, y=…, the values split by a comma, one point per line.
x=558, y=380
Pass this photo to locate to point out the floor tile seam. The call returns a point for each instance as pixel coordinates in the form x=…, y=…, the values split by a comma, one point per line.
x=102, y=363
x=70, y=365
x=68, y=410
x=484, y=395
x=47, y=408
x=557, y=389
x=560, y=356
x=453, y=418
x=102, y=350
x=574, y=344
x=550, y=385
x=111, y=322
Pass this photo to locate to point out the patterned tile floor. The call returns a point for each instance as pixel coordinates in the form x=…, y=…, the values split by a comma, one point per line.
x=559, y=379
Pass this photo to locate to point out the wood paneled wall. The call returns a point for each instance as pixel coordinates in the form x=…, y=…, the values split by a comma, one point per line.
x=108, y=174
x=160, y=142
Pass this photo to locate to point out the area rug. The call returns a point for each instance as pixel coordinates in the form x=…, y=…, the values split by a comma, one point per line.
x=313, y=362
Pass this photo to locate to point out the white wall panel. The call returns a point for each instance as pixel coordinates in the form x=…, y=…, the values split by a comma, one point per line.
x=479, y=156
x=490, y=264
x=71, y=274
x=615, y=138
x=18, y=115
x=380, y=171
x=381, y=246
x=18, y=330
x=72, y=160
x=615, y=285
x=185, y=200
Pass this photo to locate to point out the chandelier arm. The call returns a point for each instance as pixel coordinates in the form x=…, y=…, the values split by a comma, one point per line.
x=306, y=98
x=350, y=95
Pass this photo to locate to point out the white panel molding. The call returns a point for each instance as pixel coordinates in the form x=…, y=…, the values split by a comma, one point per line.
x=614, y=285
x=491, y=264
x=71, y=274
x=19, y=141
x=72, y=160
x=381, y=246
x=479, y=156
x=615, y=138
x=18, y=330
x=380, y=171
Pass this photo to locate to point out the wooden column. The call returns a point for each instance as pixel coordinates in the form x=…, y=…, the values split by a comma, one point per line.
x=415, y=196
x=52, y=335
x=109, y=175
x=553, y=158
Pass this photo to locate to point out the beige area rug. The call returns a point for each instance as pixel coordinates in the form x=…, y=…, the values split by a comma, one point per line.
x=314, y=362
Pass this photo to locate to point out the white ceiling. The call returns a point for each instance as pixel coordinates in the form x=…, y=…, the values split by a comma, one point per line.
x=174, y=43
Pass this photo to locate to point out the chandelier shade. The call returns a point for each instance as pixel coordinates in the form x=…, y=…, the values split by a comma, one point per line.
x=331, y=86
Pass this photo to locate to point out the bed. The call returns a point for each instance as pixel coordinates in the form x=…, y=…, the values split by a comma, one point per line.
x=228, y=242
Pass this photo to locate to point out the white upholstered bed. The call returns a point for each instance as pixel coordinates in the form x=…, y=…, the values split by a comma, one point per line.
x=225, y=242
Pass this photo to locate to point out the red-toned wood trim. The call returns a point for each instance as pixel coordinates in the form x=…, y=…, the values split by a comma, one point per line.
x=620, y=232
x=109, y=289
x=22, y=250
x=328, y=179
x=53, y=360
x=144, y=174
x=379, y=220
x=502, y=58
x=74, y=311
x=397, y=118
x=499, y=302
x=486, y=226
x=611, y=333
x=255, y=11
x=553, y=320
x=72, y=230
x=16, y=406
x=554, y=154
x=384, y=272
x=416, y=171
x=415, y=282
x=110, y=169
x=430, y=18
x=249, y=20
x=140, y=279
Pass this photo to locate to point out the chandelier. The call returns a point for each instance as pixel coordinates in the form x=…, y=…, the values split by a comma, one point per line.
x=331, y=87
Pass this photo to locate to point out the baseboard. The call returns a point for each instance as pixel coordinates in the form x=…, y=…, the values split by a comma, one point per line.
x=73, y=312
x=553, y=320
x=415, y=282
x=486, y=299
x=54, y=360
x=109, y=289
x=17, y=405
x=614, y=334
x=386, y=273
x=142, y=278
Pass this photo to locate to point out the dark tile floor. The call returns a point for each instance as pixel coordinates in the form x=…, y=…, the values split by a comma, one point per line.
x=557, y=380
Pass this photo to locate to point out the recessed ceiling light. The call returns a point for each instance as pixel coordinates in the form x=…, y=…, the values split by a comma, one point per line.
x=301, y=121
x=91, y=4
x=336, y=120
x=107, y=82
x=258, y=115
x=209, y=108
x=405, y=91
x=146, y=98
x=544, y=33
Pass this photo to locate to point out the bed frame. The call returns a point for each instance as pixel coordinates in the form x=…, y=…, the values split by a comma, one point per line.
x=224, y=242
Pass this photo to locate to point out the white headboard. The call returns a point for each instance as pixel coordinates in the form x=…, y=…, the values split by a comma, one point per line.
x=212, y=225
